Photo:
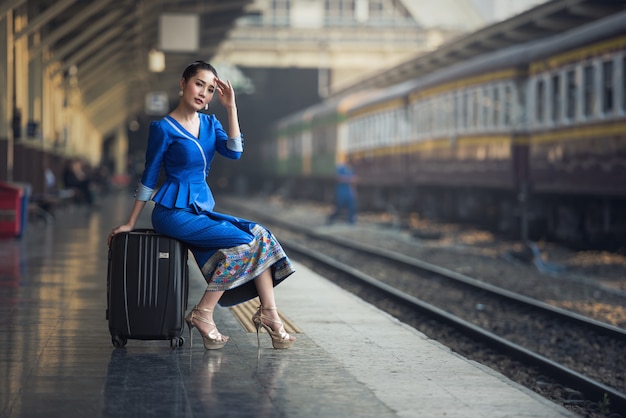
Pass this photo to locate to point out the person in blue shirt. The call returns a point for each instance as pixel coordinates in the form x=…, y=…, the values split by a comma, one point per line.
x=239, y=259
x=345, y=193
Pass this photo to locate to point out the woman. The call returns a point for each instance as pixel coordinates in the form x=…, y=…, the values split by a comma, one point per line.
x=238, y=258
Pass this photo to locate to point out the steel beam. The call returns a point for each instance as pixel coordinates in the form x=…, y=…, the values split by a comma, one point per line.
x=593, y=10
x=96, y=106
x=98, y=76
x=81, y=42
x=93, y=46
x=111, y=123
x=103, y=60
x=8, y=5
x=43, y=18
x=209, y=6
x=77, y=20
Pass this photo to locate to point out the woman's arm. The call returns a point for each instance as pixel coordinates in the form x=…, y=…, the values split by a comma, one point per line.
x=226, y=94
x=157, y=144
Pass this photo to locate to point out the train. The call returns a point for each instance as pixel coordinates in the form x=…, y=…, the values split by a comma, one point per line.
x=529, y=140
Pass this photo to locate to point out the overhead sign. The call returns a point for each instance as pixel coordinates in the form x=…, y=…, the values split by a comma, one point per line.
x=179, y=32
x=157, y=103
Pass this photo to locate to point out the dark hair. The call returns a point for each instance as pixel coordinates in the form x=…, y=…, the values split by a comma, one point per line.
x=193, y=68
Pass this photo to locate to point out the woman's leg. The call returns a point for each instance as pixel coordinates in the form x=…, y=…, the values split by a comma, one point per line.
x=209, y=300
x=265, y=288
x=205, y=309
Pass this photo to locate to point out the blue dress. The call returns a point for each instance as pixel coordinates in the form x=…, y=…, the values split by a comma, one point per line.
x=230, y=251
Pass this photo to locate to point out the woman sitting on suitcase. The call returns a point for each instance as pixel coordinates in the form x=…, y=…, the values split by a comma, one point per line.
x=239, y=259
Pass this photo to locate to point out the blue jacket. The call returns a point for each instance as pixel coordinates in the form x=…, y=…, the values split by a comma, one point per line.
x=186, y=161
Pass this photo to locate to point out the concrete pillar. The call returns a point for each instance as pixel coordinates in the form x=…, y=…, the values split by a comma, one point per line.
x=120, y=149
x=53, y=129
x=6, y=96
x=35, y=92
x=21, y=72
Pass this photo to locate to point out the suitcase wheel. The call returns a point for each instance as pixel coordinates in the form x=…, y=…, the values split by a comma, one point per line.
x=177, y=342
x=119, y=341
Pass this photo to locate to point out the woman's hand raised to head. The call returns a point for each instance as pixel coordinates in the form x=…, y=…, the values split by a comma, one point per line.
x=226, y=93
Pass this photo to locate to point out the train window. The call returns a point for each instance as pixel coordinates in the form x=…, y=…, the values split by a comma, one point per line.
x=465, y=110
x=336, y=10
x=455, y=111
x=280, y=12
x=375, y=134
x=418, y=123
x=389, y=128
x=450, y=113
x=556, y=97
x=508, y=105
x=486, y=102
x=415, y=123
x=442, y=113
x=495, y=117
x=403, y=125
x=360, y=134
x=413, y=118
x=438, y=109
x=423, y=118
x=430, y=116
x=588, y=90
x=607, y=86
x=539, y=100
x=431, y=111
x=475, y=108
x=435, y=110
x=570, y=110
x=383, y=132
x=623, y=77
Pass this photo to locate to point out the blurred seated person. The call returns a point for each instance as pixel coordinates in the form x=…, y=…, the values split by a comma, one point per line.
x=43, y=205
x=75, y=177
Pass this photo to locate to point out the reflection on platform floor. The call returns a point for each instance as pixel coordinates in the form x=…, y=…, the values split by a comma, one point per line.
x=57, y=359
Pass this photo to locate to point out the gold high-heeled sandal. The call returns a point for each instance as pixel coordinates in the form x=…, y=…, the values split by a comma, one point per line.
x=280, y=338
x=213, y=340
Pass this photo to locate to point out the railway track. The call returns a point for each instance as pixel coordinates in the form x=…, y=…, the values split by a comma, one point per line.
x=578, y=352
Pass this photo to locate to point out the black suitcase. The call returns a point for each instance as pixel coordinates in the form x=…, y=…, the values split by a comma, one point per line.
x=147, y=287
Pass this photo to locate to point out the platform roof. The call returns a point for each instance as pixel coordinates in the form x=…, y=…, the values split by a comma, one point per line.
x=542, y=21
x=105, y=45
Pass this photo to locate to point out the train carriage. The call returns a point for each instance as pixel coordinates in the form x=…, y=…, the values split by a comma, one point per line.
x=444, y=144
x=530, y=139
x=577, y=125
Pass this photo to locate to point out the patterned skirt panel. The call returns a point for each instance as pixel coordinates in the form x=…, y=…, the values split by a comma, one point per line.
x=230, y=251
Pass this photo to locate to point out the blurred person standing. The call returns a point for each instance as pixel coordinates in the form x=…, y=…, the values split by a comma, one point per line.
x=345, y=193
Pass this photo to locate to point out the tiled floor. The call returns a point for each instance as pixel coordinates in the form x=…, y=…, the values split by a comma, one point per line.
x=57, y=359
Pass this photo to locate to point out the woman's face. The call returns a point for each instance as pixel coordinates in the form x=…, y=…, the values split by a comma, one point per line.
x=198, y=90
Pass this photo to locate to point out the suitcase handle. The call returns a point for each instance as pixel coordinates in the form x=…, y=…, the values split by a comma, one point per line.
x=143, y=231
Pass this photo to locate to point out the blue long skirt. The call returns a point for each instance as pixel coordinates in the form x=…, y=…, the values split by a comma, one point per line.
x=230, y=251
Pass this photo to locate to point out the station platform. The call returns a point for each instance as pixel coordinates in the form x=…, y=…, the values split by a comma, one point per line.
x=349, y=360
